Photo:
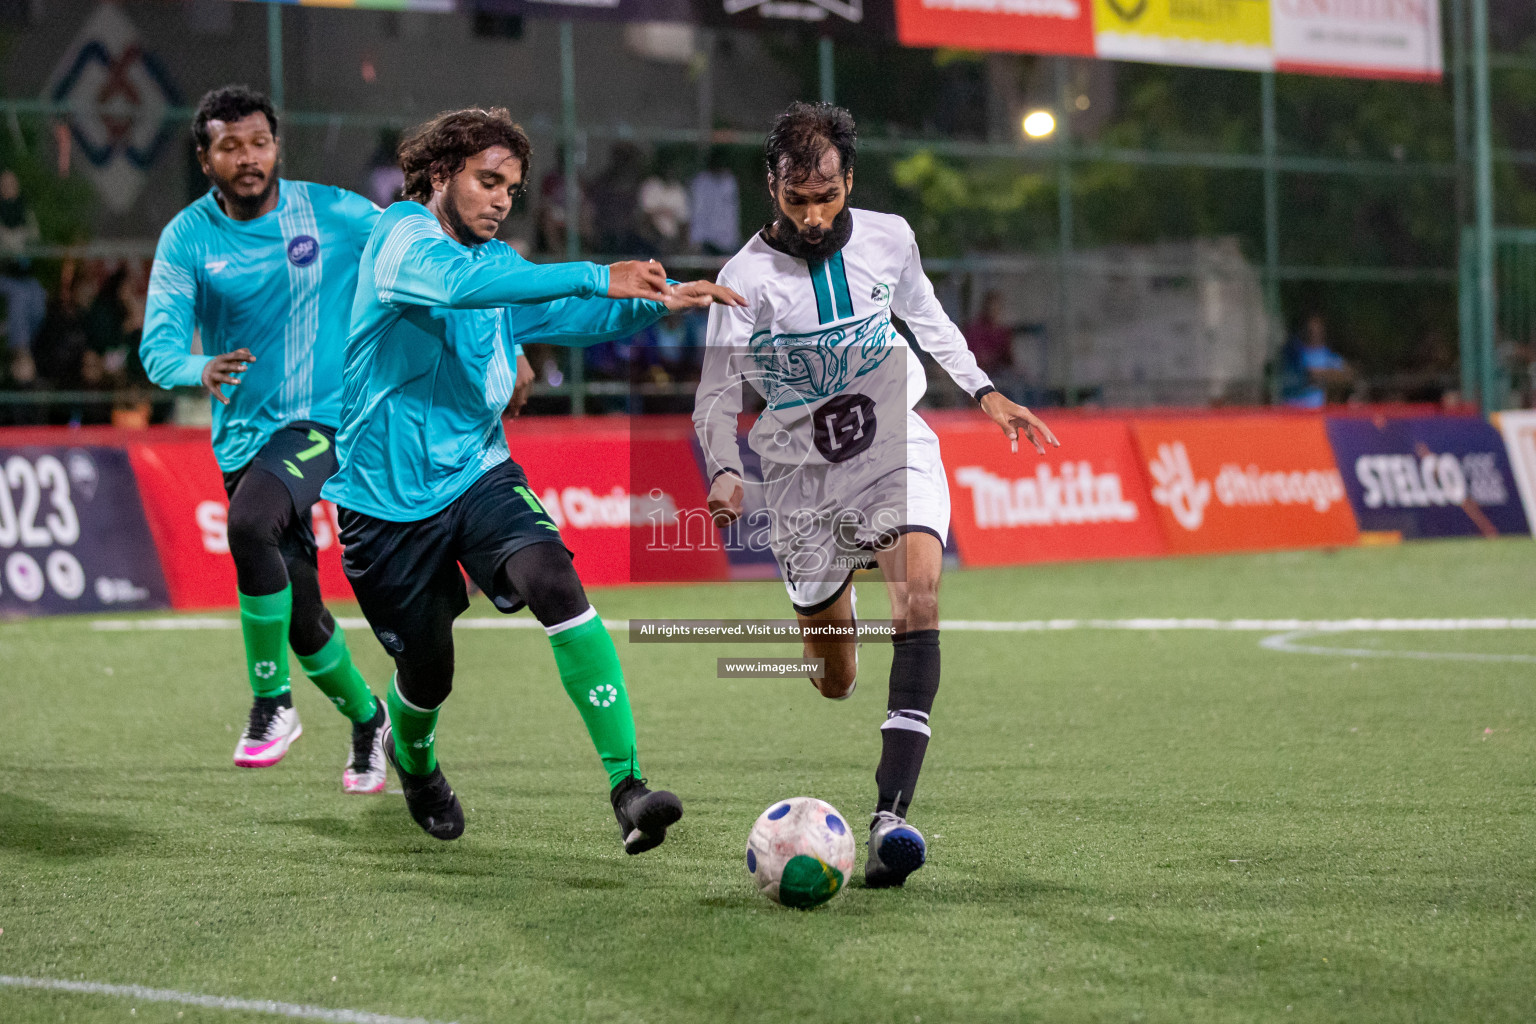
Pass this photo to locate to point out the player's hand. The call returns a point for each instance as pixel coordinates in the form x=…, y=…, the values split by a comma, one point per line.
x=634, y=279
x=698, y=294
x=1014, y=418
x=725, y=496
x=226, y=369
x=521, y=387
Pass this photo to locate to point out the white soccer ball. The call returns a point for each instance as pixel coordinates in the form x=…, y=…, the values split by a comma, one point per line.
x=800, y=852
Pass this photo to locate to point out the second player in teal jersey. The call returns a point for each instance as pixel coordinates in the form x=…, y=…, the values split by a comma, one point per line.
x=266, y=268
x=427, y=484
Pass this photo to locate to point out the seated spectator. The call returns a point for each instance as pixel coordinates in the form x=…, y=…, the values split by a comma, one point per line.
x=664, y=207
x=615, y=199
x=385, y=178
x=991, y=340
x=1310, y=371
x=714, y=208
x=26, y=302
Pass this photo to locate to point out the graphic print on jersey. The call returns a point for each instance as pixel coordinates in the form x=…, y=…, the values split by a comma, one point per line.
x=799, y=369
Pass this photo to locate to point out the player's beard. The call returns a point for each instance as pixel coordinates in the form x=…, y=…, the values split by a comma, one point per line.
x=456, y=223
x=833, y=239
x=246, y=207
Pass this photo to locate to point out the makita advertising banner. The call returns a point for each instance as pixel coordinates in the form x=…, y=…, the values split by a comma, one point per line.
x=1086, y=499
x=1244, y=483
x=72, y=534
x=1445, y=476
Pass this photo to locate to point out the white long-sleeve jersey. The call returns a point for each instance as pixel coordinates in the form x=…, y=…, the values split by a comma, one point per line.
x=816, y=341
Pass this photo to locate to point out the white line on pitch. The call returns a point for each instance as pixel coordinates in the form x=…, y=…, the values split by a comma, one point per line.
x=960, y=625
x=1286, y=643
x=166, y=995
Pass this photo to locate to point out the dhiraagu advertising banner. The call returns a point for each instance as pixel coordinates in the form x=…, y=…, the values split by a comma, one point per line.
x=1217, y=33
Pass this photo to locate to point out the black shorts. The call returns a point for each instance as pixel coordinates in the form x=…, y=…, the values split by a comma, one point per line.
x=303, y=456
x=406, y=575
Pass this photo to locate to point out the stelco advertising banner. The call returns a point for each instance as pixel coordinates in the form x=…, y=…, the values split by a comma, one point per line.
x=72, y=534
x=1086, y=499
x=1245, y=483
x=1355, y=38
x=1433, y=477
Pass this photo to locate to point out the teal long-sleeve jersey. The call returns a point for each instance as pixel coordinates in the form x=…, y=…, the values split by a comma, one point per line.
x=431, y=358
x=280, y=285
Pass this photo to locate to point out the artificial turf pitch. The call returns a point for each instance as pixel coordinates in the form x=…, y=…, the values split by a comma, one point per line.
x=1123, y=826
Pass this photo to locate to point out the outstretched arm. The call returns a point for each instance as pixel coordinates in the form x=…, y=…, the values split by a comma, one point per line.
x=717, y=404
x=582, y=322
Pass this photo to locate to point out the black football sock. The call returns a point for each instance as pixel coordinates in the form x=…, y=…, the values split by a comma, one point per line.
x=904, y=735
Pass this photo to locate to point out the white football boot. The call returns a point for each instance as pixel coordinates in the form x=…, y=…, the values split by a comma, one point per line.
x=269, y=733
x=365, y=764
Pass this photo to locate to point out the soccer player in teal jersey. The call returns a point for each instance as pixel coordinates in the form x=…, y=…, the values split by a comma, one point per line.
x=267, y=269
x=427, y=483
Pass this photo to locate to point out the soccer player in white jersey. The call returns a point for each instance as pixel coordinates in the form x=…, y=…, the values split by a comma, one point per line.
x=850, y=474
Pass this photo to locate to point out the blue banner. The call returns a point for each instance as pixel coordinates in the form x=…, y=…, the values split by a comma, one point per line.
x=73, y=537
x=1444, y=476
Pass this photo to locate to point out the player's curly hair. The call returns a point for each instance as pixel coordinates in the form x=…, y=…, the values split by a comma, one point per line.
x=230, y=103
x=802, y=133
x=440, y=147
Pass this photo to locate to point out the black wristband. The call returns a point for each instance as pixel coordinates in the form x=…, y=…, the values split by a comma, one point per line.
x=983, y=393
x=721, y=472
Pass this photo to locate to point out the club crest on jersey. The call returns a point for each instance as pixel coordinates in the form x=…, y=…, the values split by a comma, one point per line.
x=796, y=369
x=303, y=250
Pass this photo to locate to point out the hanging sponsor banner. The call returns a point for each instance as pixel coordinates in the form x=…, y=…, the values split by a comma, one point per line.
x=847, y=19
x=1216, y=33
x=1359, y=38
x=1440, y=477
x=119, y=95
x=1245, y=483
x=1086, y=499
x=72, y=534
x=625, y=493
x=1019, y=26
x=1519, y=430
x=183, y=493
x=599, y=10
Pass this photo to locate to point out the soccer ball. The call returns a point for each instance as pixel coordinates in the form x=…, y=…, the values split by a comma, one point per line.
x=799, y=852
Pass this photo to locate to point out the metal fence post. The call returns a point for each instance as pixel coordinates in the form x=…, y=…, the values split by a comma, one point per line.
x=1482, y=183
x=1064, y=217
x=1272, y=229
x=1466, y=288
x=826, y=67
x=577, y=381
x=275, y=54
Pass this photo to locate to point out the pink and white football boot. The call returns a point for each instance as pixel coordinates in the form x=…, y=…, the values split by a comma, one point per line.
x=366, y=765
x=273, y=726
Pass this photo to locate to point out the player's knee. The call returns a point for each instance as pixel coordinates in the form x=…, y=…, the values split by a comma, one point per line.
x=922, y=605
x=252, y=527
x=425, y=682
x=544, y=577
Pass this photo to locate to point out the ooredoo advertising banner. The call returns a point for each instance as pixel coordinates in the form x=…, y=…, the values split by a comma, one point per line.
x=1519, y=430
x=626, y=495
x=72, y=534
x=1440, y=477
x=1020, y=26
x=1086, y=499
x=1247, y=483
x=188, y=513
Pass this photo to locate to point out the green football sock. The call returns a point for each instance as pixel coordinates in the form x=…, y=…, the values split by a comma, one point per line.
x=264, y=623
x=590, y=671
x=331, y=669
x=415, y=732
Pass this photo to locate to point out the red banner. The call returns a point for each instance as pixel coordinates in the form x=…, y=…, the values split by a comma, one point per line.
x=1247, y=483
x=183, y=494
x=1086, y=499
x=1020, y=26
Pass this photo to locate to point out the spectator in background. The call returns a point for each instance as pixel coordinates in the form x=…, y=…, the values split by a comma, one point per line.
x=386, y=181
x=26, y=302
x=615, y=200
x=990, y=340
x=550, y=230
x=1310, y=370
x=714, y=223
x=664, y=206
